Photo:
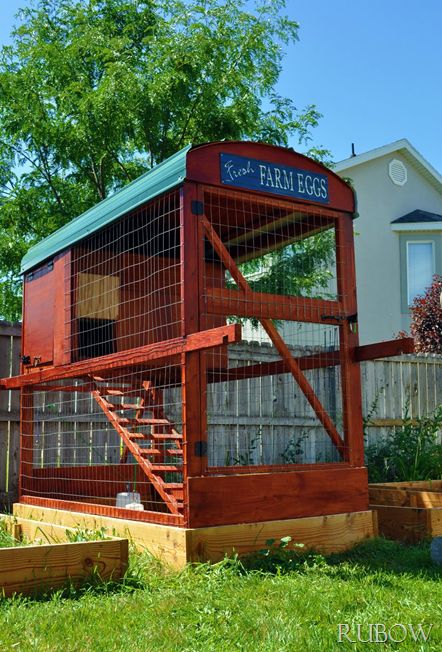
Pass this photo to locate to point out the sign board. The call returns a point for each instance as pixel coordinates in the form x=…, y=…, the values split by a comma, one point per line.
x=254, y=174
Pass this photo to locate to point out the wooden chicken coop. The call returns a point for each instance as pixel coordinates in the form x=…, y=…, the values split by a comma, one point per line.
x=190, y=351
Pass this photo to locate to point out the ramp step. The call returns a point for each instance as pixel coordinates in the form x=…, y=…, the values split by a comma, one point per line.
x=150, y=451
x=166, y=467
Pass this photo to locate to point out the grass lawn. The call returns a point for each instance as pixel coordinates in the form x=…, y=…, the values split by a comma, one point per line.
x=226, y=607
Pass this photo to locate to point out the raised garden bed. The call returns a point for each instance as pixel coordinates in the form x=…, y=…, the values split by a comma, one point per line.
x=36, y=568
x=408, y=511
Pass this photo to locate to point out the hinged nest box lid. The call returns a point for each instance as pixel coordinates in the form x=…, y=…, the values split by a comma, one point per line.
x=255, y=167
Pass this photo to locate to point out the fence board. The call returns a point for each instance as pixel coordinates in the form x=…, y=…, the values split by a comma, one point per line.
x=10, y=346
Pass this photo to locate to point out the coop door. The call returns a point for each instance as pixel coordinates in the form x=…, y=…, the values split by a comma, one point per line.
x=38, y=321
x=98, y=303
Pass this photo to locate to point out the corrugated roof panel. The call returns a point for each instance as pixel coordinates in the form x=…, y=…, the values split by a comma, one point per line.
x=163, y=177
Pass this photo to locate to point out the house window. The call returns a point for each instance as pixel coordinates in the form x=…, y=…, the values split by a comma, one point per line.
x=420, y=268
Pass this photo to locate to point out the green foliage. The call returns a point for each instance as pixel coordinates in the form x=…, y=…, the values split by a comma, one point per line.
x=426, y=319
x=300, y=269
x=292, y=454
x=411, y=452
x=80, y=535
x=297, y=269
x=247, y=457
x=282, y=556
x=6, y=538
x=94, y=93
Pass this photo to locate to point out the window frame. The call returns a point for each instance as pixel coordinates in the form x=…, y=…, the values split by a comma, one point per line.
x=409, y=242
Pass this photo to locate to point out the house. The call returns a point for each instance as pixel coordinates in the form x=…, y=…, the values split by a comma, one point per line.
x=398, y=245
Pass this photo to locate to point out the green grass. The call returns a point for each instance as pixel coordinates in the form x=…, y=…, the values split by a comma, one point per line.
x=6, y=539
x=280, y=602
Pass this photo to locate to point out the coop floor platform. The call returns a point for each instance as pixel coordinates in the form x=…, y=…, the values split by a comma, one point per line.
x=177, y=546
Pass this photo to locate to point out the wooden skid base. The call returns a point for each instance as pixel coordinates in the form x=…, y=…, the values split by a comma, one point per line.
x=176, y=546
x=408, y=511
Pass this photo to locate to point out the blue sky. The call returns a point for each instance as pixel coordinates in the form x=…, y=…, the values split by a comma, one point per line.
x=373, y=68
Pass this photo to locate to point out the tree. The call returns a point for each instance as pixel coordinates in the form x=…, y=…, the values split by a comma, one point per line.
x=426, y=319
x=95, y=92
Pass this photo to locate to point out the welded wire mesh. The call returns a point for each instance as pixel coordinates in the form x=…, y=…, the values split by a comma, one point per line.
x=125, y=283
x=77, y=451
x=278, y=278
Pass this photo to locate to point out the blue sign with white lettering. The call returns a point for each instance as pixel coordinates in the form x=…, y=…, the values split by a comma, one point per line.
x=254, y=174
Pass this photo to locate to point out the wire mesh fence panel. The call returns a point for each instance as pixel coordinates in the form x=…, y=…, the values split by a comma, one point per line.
x=125, y=283
x=278, y=394
x=107, y=441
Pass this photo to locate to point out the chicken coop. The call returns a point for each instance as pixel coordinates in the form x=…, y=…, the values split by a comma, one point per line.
x=190, y=352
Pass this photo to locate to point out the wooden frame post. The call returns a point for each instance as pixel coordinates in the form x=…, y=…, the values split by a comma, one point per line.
x=62, y=316
x=349, y=341
x=194, y=382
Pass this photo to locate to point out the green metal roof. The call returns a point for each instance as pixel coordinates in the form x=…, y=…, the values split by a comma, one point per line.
x=163, y=177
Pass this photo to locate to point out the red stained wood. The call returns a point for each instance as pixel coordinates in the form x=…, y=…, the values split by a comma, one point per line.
x=274, y=468
x=38, y=318
x=272, y=306
x=104, y=510
x=203, y=166
x=62, y=311
x=258, y=497
x=349, y=341
x=319, y=361
x=145, y=354
x=192, y=363
x=384, y=349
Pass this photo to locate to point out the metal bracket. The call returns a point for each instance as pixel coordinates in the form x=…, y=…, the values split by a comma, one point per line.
x=351, y=319
x=197, y=207
x=200, y=449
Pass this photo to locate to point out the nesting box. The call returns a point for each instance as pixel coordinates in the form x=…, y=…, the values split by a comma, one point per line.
x=191, y=342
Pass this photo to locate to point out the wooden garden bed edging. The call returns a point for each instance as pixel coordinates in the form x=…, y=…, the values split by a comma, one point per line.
x=408, y=511
x=34, y=569
x=176, y=546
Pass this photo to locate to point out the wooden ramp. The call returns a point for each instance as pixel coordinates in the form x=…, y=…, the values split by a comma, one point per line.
x=152, y=449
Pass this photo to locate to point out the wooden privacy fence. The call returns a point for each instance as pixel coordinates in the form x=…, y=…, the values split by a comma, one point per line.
x=399, y=387
x=393, y=388
x=10, y=345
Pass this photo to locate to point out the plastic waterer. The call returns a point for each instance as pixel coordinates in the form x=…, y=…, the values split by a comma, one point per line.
x=136, y=507
x=128, y=500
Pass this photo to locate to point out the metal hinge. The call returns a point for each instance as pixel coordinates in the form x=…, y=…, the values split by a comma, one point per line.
x=197, y=207
x=200, y=449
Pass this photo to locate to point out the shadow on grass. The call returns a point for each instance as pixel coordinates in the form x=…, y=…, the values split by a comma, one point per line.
x=379, y=558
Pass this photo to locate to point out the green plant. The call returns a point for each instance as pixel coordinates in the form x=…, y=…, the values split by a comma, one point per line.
x=281, y=556
x=411, y=452
x=294, y=450
x=80, y=534
x=6, y=538
x=245, y=458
